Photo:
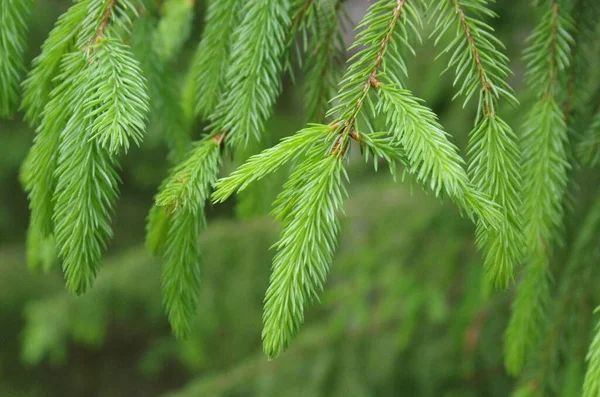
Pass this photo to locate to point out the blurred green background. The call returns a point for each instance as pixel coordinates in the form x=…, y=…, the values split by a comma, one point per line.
x=403, y=314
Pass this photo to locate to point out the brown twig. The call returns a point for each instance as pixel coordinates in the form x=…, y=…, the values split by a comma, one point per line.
x=105, y=21
x=218, y=139
x=486, y=86
x=372, y=81
x=378, y=62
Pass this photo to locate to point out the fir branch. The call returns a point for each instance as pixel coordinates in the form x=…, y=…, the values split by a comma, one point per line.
x=166, y=111
x=119, y=100
x=494, y=155
x=212, y=55
x=182, y=197
x=85, y=195
x=324, y=61
x=269, y=160
x=544, y=175
x=362, y=74
x=14, y=21
x=43, y=156
x=528, y=313
x=433, y=160
x=39, y=82
x=481, y=67
x=304, y=251
x=495, y=169
x=381, y=145
x=548, y=53
x=253, y=79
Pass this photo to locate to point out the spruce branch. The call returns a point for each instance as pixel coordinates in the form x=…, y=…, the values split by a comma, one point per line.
x=545, y=177
x=14, y=23
x=380, y=145
x=528, y=313
x=324, y=60
x=39, y=82
x=495, y=169
x=212, y=55
x=166, y=112
x=432, y=158
x=313, y=191
x=269, y=160
x=253, y=79
x=119, y=101
x=99, y=100
x=494, y=156
x=476, y=54
x=304, y=251
x=43, y=156
x=548, y=53
x=174, y=228
x=361, y=76
x=85, y=194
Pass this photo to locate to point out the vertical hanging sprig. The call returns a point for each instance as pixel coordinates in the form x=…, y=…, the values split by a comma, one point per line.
x=583, y=105
x=156, y=55
x=312, y=197
x=14, y=23
x=494, y=155
x=40, y=80
x=96, y=110
x=580, y=104
x=252, y=84
x=253, y=78
x=324, y=60
x=48, y=91
x=545, y=168
x=212, y=55
x=182, y=197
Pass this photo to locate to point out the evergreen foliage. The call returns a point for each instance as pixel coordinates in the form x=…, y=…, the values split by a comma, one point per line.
x=253, y=79
x=481, y=68
x=545, y=177
x=98, y=106
x=14, y=22
x=108, y=67
x=213, y=54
